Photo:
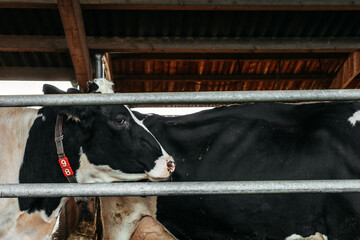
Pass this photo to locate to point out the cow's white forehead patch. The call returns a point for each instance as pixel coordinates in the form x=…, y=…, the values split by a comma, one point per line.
x=105, y=86
x=354, y=118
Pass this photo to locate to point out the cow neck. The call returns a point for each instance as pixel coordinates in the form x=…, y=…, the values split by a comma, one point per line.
x=63, y=160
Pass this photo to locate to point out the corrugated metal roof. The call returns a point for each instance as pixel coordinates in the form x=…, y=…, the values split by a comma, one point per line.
x=47, y=22
x=29, y=21
x=227, y=73
x=221, y=23
x=35, y=59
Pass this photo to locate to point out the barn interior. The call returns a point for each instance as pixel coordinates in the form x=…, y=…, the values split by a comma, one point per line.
x=183, y=46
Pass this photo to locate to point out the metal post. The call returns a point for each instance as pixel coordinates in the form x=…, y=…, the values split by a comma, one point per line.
x=98, y=66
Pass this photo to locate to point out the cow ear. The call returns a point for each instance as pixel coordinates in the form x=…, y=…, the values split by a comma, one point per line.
x=81, y=114
x=93, y=87
x=50, y=89
x=84, y=115
x=73, y=91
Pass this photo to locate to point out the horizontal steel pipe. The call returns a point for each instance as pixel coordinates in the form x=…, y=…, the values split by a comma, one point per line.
x=179, y=98
x=178, y=188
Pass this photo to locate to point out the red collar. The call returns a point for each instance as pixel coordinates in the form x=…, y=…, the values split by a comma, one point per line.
x=63, y=160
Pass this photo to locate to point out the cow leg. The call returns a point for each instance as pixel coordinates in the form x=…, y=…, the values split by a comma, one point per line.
x=150, y=229
x=120, y=216
x=33, y=226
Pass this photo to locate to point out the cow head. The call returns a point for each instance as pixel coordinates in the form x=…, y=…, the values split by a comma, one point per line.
x=120, y=147
x=103, y=144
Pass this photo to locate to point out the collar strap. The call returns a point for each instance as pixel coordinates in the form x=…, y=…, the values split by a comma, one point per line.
x=63, y=160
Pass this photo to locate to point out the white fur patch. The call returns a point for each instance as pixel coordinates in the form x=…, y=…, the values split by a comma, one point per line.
x=160, y=171
x=14, y=224
x=121, y=215
x=74, y=118
x=317, y=236
x=90, y=173
x=294, y=237
x=105, y=86
x=42, y=116
x=354, y=118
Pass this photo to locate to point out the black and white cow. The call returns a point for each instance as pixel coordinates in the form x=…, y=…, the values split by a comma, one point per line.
x=263, y=141
x=102, y=144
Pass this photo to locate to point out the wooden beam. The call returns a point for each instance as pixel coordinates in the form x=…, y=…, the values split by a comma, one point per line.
x=246, y=5
x=41, y=4
x=348, y=73
x=223, y=45
x=223, y=4
x=15, y=43
x=226, y=56
x=246, y=77
x=71, y=16
x=29, y=1
x=37, y=73
x=157, y=45
x=108, y=66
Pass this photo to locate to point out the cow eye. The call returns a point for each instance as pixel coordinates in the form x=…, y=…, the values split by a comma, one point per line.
x=119, y=121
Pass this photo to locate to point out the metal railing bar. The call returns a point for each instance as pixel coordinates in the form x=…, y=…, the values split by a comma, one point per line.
x=179, y=97
x=178, y=188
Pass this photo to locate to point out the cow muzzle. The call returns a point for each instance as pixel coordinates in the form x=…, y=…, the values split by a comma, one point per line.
x=164, y=167
x=170, y=163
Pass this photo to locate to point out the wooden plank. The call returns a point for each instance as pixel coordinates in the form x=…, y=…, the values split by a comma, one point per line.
x=348, y=73
x=37, y=73
x=225, y=56
x=108, y=66
x=180, y=48
x=223, y=4
x=183, y=78
x=71, y=17
x=34, y=5
x=29, y=1
x=247, y=5
x=15, y=43
x=222, y=45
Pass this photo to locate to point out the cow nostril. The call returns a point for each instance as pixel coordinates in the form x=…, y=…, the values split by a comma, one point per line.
x=170, y=165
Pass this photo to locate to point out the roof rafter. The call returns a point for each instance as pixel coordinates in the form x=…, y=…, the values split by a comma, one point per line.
x=225, y=56
x=245, y=77
x=37, y=73
x=79, y=44
x=198, y=4
x=224, y=45
x=15, y=43
x=71, y=17
x=348, y=73
x=108, y=67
